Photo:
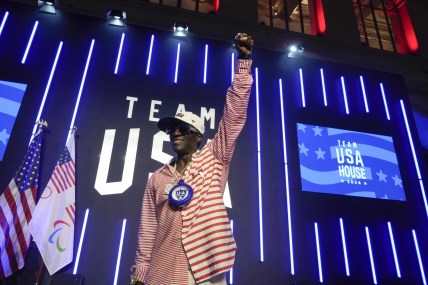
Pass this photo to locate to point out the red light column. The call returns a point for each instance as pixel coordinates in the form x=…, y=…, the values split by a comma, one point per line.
x=409, y=32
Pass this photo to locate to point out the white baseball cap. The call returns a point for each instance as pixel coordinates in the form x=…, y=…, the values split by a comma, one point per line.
x=180, y=118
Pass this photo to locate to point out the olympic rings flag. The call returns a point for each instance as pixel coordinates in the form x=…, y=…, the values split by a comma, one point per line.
x=52, y=225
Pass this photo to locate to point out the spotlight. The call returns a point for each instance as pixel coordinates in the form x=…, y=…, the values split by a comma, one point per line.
x=47, y=6
x=116, y=17
x=180, y=29
x=295, y=51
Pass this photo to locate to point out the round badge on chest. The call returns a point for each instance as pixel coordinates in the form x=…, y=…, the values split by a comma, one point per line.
x=181, y=194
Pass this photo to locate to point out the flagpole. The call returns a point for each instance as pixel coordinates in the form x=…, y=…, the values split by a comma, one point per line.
x=42, y=124
x=39, y=273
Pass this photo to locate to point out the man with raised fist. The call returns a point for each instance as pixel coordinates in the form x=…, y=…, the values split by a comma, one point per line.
x=184, y=237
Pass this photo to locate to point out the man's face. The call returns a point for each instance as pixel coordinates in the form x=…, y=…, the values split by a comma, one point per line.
x=184, y=139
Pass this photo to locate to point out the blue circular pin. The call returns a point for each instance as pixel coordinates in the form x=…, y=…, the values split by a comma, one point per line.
x=181, y=194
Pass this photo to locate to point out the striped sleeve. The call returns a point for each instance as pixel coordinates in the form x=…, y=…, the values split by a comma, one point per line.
x=234, y=113
x=146, y=233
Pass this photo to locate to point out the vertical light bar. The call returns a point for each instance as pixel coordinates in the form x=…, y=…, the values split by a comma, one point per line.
x=302, y=87
x=3, y=22
x=232, y=67
x=48, y=85
x=324, y=93
x=259, y=168
x=231, y=270
x=149, y=59
x=82, y=83
x=415, y=159
x=371, y=256
x=345, y=251
x=119, y=53
x=421, y=265
x=119, y=253
x=384, y=102
x=363, y=88
x=421, y=183
x=409, y=135
x=82, y=236
x=344, y=94
x=318, y=254
x=205, y=64
x=30, y=41
x=176, y=63
x=287, y=188
x=391, y=237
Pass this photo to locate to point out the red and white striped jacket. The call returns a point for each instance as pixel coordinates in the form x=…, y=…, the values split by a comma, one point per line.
x=198, y=235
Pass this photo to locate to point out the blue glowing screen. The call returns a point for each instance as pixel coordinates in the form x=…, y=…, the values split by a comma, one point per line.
x=345, y=162
x=11, y=94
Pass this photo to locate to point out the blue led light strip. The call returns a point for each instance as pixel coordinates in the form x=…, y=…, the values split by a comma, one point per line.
x=287, y=187
x=363, y=88
x=149, y=59
x=421, y=184
x=82, y=83
x=371, y=256
x=324, y=93
x=48, y=85
x=231, y=270
x=259, y=168
x=176, y=63
x=30, y=41
x=318, y=253
x=421, y=265
x=119, y=53
x=409, y=135
x=384, y=101
x=345, y=251
x=4, y=21
x=119, y=253
x=205, y=64
x=302, y=87
x=391, y=237
x=415, y=159
x=232, y=67
x=82, y=236
x=344, y=94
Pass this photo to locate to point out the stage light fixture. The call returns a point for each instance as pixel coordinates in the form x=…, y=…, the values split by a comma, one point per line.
x=295, y=51
x=47, y=6
x=116, y=17
x=180, y=29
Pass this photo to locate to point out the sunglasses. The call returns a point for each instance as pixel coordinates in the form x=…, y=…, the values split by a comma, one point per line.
x=183, y=129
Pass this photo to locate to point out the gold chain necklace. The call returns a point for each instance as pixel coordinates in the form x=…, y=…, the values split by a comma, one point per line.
x=177, y=177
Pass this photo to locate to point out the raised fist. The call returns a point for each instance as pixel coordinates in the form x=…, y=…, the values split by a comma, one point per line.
x=243, y=45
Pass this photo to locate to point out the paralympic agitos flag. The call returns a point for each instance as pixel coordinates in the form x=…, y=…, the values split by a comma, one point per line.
x=52, y=225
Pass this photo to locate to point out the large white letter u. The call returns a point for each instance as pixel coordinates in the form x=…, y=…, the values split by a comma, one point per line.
x=118, y=187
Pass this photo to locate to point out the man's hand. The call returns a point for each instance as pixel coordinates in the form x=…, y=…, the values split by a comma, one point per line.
x=136, y=282
x=243, y=44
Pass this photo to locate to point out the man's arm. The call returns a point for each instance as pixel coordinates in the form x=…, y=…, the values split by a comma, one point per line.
x=235, y=109
x=146, y=236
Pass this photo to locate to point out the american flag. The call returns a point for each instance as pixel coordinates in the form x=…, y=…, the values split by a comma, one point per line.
x=16, y=208
x=63, y=175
